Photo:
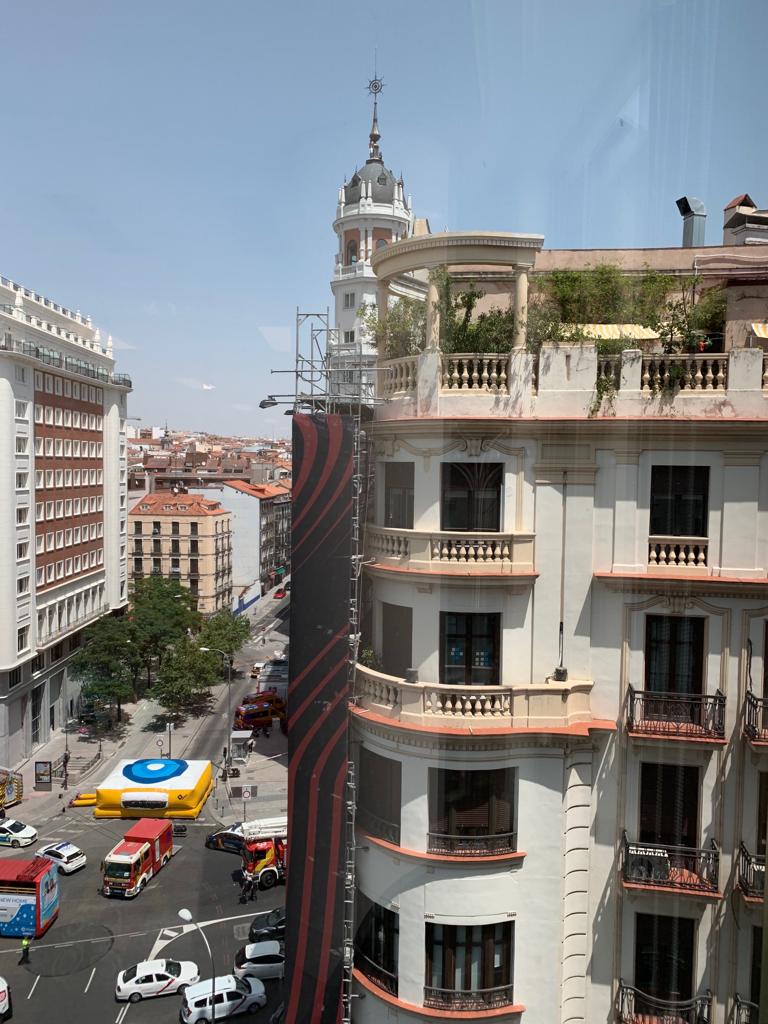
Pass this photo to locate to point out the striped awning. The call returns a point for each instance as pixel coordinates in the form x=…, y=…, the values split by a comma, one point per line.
x=760, y=330
x=618, y=332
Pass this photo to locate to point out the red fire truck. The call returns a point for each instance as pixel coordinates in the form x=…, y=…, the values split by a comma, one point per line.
x=145, y=848
x=265, y=850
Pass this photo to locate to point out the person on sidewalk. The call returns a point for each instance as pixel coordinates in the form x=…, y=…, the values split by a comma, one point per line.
x=24, y=950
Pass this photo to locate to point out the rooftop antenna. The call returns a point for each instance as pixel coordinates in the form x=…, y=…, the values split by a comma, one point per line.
x=375, y=85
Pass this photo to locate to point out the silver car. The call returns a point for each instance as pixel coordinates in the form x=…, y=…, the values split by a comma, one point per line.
x=260, y=960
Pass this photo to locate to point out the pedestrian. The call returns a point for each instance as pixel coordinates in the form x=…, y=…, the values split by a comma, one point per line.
x=267, y=731
x=24, y=950
x=244, y=889
x=251, y=745
x=253, y=894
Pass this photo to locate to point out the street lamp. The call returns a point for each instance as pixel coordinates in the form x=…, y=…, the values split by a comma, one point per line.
x=186, y=915
x=229, y=659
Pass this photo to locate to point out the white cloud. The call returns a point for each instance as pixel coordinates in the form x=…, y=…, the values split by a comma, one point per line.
x=193, y=384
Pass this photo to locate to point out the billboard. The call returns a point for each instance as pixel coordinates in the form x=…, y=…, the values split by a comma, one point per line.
x=317, y=723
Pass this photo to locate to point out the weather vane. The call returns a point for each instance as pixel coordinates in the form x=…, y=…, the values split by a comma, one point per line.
x=376, y=84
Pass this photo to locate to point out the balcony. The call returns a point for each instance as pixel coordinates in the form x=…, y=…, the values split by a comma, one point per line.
x=373, y=825
x=689, y=554
x=635, y=1007
x=54, y=359
x=676, y=716
x=678, y=868
x=751, y=874
x=451, y=552
x=744, y=1011
x=470, y=999
x=541, y=707
x=472, y=846
x=756, y=719
x=375, y=973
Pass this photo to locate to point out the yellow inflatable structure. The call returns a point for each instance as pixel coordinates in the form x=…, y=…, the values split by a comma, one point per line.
x=154, y=788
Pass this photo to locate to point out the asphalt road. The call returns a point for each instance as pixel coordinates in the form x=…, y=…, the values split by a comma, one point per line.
x=73, y=967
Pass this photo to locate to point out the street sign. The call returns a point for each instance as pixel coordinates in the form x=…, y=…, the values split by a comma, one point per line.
x=246, y=793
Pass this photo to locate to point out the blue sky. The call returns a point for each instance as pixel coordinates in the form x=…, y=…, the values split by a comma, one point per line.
x=171, y=166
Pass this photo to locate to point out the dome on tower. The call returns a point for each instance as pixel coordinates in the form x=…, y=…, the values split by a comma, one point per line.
x=382, y=182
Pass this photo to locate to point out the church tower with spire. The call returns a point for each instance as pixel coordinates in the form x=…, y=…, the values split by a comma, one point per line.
x=372, y=211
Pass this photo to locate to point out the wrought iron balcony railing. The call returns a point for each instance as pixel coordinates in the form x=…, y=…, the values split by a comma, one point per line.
x=471, y=846
x=751, y=873
x=745, y=1012
x=376, y=973
x=376, y=826
x=675, y=715
x=636, y=1007
x=756, y=718
x=671, y=867
x=468, y=999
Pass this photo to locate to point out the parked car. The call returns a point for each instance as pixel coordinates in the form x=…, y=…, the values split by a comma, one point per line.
x=16, y=833
x=256, y=669
x=279, y=594
x=66, y=856
x=229, y=839
x=260, y=960
x=233, y=996
x=270, y=926
x=152, y=978
x=6, y=1006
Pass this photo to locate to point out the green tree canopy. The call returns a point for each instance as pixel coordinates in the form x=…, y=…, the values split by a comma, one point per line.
x=108, y=662
x=162, y=613
x=186, y=674
x=225, y=632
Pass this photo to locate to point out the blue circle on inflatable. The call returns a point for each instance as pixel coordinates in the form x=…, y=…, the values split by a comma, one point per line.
x=150, y=770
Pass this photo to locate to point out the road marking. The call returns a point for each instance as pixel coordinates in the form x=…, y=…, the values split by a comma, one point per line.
x=161, y=942
x=90, y=980
x=75, y=942
x=121, y=1016
x=34, y=986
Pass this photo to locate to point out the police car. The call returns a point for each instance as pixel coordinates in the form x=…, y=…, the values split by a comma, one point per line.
x=66, y=856
x=6, y=1008
x=16, y=833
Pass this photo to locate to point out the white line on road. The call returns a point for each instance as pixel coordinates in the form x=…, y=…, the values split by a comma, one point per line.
x=34, y=986
x=121, y=1016
x=90, y=980
x=74, y=942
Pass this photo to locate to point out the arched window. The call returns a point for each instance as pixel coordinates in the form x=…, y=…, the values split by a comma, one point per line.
x=351, y=252
x=380, y=243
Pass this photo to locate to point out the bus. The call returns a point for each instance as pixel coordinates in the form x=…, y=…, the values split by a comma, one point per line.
x=29, y=896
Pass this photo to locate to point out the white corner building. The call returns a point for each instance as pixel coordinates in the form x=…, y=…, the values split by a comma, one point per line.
x=63, y=477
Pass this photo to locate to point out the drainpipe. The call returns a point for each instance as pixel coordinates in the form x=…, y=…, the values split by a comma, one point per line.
x=560, y=674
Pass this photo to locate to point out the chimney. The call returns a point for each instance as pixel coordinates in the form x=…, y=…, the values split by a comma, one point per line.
x=694, y=217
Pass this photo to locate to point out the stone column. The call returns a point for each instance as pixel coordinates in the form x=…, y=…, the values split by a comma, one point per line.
x=575, y=952
x=433, y=317
x=521, y=307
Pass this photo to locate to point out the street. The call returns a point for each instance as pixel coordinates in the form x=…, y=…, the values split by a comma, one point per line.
x=73, y=968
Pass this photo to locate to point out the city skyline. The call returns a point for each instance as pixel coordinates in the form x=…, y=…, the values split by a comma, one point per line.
x=194, y=211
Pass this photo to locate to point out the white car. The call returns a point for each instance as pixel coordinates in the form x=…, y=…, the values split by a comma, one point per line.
x=16, y=833
x=6, y=1007
x=260, y=960
x=232, y=996
x=66, y=856
x=153, y=978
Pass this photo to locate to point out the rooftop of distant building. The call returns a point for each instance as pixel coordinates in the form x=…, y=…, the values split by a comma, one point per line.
x=166, y=503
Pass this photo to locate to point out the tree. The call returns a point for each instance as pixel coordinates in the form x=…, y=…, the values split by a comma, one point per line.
x=108, y=662
x=224, y=632
x=186, y=673
x=401, y=332
x=162, y=613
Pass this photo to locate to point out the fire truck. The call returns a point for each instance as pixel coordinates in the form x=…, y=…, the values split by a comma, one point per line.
x=145, y=848
x=265, y=850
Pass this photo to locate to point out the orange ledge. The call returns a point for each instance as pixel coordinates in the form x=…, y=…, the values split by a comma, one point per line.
x=578, y=729
x=449, y=857
x=683, y=577
x=437, y=573
x=711, y=741
x=425, y=1011
x=677, y=891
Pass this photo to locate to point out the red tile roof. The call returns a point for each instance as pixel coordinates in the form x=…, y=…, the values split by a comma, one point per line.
x=165, y=503
x=742, y=200
x=271, y=490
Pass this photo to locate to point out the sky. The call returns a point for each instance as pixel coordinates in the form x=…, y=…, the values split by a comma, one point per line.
x=172, y=166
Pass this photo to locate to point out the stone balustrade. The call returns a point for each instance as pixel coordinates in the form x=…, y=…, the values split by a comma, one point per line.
x=572, y=381
x=678, y=553
x=540, y=706
x=449, y=551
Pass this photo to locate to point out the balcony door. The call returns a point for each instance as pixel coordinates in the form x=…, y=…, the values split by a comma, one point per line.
x=669, y=805
x=468, y=806
x=378, y=796
x=664, y=951
x=396, y=639
x=679, y=501
x=762, y=813
x=674, y=654
x=469, y=649
x=398, y=495
x=471, y=497
x=473, y=959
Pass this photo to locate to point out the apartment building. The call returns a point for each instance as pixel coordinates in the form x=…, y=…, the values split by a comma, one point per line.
x=261, y=532
x=63, y=515
x=561, y=736
x=184, y=537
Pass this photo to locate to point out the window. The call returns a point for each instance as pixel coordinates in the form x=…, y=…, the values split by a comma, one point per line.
x=376, y=942
x=469, y=649
x=21, y=376
x=39, y=512
x=22, y=444
x=76, y=419
x=57, y=385
x=49, y=541
x=378, y=806
x=349, y=300
x=22, y=515
x=67, y=416
x=664, y=951
x=67, y=477
x=669, y=804
x=58, y=416
x=349, y=337
x=38, y=446
x=76, y=393
x=49, y=415
x=472, y=812
x=22, y=585
x=674, y=654
x=38, y=413
x=381, y=243
x=22, y=639
x=137, y=526
x=469, y=966
x=679, y=501
x=39, y=544
x=156, y=528
x=396, y=639
x=193, y=529
x=351, y=252
x=471, y=496
x=14, y=676
x=67, y=393
x=22, y=550
x=21, y=407
x=59, y=447
x=49, y=478
x=398, y=495
x=49, y=510
x=48, y=384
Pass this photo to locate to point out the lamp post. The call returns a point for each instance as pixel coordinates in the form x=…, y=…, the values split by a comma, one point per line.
x=186, y=915
x=229, y=659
